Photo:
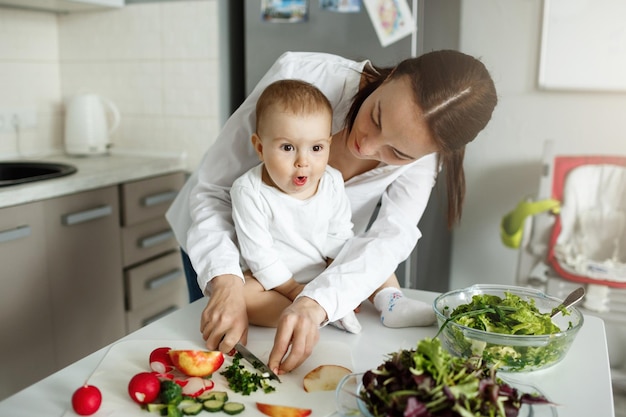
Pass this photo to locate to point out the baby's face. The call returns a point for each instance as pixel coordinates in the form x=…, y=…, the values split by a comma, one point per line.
x=295, y=150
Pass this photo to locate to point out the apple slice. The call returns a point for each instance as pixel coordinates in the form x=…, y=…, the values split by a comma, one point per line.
x=324, y=378
x=197, y=362
x=282, y=410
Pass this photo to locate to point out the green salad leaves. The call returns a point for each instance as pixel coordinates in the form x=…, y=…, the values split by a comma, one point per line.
x=430, y=382
x=507, y=315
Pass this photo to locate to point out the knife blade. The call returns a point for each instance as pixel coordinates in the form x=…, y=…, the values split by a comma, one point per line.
x=255, y=362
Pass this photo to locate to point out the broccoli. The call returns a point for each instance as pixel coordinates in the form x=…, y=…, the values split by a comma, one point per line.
x=173, y=411
x=171, y=392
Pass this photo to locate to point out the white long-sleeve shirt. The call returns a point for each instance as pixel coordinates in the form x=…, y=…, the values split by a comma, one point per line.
x=201, y=216
x=282, y=237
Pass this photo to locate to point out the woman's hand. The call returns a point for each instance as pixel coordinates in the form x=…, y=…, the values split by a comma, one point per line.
x=298, y=326
x=224, y=320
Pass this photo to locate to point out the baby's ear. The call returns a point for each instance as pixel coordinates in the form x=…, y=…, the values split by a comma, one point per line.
x=258, y=145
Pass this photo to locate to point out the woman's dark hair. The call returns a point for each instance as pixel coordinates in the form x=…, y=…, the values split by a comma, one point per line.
x=456, y=95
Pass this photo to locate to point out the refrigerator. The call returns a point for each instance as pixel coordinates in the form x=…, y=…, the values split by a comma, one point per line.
x=352, y=35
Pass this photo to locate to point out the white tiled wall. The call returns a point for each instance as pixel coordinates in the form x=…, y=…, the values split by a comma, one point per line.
x=29, y=78
x=158, y=62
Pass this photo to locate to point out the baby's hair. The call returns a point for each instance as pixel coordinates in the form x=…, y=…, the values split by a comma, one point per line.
x=293, y=96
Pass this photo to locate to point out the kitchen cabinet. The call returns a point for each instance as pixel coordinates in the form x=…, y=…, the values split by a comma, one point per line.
x=82, y=270
x=85, y=272
x=153, y=271
x=63, y=6
x=27, y=343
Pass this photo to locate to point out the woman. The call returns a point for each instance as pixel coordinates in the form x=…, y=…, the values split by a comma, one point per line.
x=394, y=129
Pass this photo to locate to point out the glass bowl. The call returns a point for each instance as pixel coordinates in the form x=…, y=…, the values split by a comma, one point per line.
x=510, y=353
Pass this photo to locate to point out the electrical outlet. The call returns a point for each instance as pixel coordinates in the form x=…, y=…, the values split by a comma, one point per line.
x=10, y=120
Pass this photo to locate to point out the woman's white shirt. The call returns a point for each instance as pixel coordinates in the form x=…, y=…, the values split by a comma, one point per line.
x=201, y=216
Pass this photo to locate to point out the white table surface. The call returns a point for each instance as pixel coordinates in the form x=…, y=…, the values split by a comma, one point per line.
x=581, y=383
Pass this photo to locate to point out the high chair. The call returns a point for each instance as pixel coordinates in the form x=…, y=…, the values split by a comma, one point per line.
x=574, y=231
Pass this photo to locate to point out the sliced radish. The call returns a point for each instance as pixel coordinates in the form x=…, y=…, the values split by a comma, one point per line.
x=161, y=376
x=194, y=386
x=160, y=360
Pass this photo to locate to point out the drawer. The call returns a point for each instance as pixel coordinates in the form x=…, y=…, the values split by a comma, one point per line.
x=136, y=319
x=151, y=282
x=150, y=198
x=147, y=240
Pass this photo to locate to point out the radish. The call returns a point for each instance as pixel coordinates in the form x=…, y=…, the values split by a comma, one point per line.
x=86, y=400
x=144, y=387
x=160, y=360
x=194, y=386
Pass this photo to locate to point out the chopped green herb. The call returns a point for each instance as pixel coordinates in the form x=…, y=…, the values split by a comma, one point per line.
x=243, y=381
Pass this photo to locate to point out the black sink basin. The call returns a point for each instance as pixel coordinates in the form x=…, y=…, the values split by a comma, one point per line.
x=20, y=172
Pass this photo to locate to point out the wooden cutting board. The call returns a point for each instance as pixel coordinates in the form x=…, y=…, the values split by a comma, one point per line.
x=127, y=358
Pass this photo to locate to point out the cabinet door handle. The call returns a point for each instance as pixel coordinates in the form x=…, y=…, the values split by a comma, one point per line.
x=160, y=198
x=161, y=280
x=153, y=240
x=14, y=234
x=86, y=215
x=157, y=316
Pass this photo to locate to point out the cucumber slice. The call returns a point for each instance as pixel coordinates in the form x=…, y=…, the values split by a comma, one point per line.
x=156, y=408
x=206, y=395
x=192, y=410
x=187, y=402
x=213, y=405
x=233, y=408
x=220, y=396
x=213, y=395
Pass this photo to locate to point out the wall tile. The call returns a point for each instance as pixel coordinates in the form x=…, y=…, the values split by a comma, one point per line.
x=134, y=86
x=27, y=35
x=190, y=30
x=190, y=88
x=132, y=32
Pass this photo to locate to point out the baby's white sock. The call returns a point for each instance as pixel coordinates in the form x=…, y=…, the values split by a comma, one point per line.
x=396, y=310
x=349, y=323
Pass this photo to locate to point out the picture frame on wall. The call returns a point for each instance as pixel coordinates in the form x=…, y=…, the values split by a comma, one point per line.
x=583, y=46
x=284, y=11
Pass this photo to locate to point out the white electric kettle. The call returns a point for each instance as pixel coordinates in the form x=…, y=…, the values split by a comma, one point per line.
x=89, y=122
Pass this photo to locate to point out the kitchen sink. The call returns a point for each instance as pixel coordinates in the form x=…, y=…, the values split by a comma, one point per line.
x=20, y=172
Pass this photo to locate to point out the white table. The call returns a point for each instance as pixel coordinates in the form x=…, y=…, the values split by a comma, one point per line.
x=581, y=383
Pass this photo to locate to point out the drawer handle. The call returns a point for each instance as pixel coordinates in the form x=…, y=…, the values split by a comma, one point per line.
x=159, y=315
x=14, y=234
x=160, y=198
x=159, y=281
x=156, y=239
x=87, y=215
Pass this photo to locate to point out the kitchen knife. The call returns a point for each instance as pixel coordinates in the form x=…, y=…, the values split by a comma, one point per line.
x=255, y=362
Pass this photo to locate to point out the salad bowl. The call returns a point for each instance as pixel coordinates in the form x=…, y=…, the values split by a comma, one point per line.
x=472, y=323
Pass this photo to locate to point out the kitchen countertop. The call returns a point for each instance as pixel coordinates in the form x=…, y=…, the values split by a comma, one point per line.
x=93, y=172
x=580, y=383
